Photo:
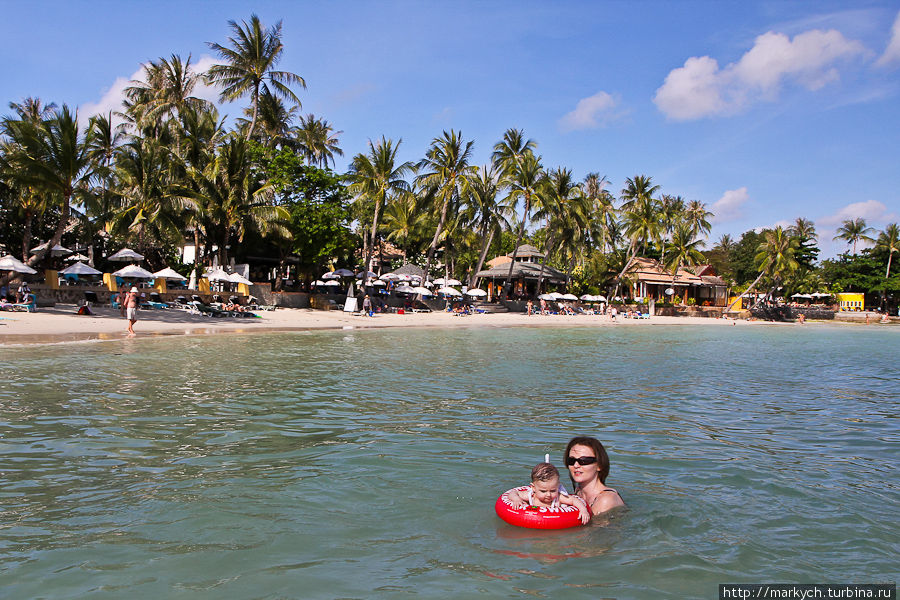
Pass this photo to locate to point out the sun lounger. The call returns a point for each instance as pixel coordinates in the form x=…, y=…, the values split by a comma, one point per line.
x=30, y=305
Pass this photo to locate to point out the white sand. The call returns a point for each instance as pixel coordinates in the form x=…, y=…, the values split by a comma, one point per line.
x=60, y=323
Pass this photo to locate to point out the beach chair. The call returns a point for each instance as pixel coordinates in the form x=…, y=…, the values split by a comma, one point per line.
x=209, y=311
x=30, y=305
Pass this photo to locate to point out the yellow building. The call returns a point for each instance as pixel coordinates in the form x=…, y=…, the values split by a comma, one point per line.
x=851, y=301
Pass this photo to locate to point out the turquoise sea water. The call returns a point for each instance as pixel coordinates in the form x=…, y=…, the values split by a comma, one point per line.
x=365, y=464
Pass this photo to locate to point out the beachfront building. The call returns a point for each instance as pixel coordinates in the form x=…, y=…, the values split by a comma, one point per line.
x=525, y=273
x=700, y=283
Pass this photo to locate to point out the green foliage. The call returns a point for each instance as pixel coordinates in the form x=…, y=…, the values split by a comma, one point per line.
x=319, y=207
x=863, y=272
x=743, y=256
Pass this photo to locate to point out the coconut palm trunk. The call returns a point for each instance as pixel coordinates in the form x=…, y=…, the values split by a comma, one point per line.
x=473, y=280
x=747, y=291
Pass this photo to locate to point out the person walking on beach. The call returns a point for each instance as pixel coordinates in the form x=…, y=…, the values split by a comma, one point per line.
x=131, y=304
x=367, y=306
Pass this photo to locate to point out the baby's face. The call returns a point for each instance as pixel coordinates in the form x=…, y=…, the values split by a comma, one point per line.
x=545, y=492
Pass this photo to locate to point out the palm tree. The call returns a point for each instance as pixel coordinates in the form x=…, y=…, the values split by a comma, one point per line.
x=446, y=171
x=640, y=220
x=482, y=195
x=697, y=217
x=527, y=183
x=376, y=176
x=775, y=259
x=403, y=220
x=853, y=231
x=684, y=250
x=251, y=58
x=671, y=212
x=233, y=200
x=318, y=140
x=274, y=122
x=53, y=156
x=149, y=209
x=601, y=201
x=106, y=139
x=166, y=91
x=567, y=211
x=889, y=241
x=725, y=243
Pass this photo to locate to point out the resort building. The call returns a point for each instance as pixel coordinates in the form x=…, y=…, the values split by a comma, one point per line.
x=700, y=283
x=525, y=273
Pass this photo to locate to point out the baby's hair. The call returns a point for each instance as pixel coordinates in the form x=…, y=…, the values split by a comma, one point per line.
x=544, y=472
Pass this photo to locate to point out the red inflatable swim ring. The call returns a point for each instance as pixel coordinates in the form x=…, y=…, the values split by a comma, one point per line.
x=536, y=517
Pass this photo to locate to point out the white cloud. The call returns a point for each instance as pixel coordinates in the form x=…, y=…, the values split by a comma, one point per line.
x=701, y=89
x=892, y=52
x=112, y=97
x=871, y=210
x=728, y=207
x=591, y=112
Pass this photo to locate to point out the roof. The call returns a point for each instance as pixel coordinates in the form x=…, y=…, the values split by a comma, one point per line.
x=648, y=270
x=527, y=250
x=498, y=260
x=410, y=269
x=522, y=270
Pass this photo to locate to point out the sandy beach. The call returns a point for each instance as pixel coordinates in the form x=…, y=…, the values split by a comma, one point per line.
x=60, y=323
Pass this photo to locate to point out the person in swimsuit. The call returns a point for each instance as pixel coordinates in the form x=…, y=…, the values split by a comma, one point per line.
x=588, y=466
x=545, y=491
x=131, y=304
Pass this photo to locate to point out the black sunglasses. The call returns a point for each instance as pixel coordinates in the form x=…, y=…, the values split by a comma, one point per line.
x=581, y=460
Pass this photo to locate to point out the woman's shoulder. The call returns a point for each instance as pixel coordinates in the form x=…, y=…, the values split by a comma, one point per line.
x=606, y=499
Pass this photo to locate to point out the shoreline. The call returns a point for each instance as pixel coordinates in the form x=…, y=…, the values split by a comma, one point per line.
x=60, y=324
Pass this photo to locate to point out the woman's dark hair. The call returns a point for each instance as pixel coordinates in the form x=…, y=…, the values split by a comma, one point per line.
x=599, y=451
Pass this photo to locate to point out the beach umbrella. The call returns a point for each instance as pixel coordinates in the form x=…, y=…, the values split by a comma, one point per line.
x=555, y=295
x=422, y=290
x=330, y=275
x=568, y=297
x=80, y=268
x=449, y=291
x=133, y=272
x=366, y=275
x=587, y=297
x=546, y=297
x=57, y=250
x=378, y=283
x=318, y=282
x=476, y=292
x=806, y=296
x=331, y=283
x=238, y=278
x=599, y=298
x=446, y=282
x=820, y=295
x=126, y=255
x=169, y=273
x=344, y=273
x=403, y=277
x=11, y=263
x=192, y=284
x=77, y=257
x=218, y=275
x=406, y=289
x=389, y=277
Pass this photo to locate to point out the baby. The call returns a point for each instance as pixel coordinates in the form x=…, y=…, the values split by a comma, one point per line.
x=546, y=491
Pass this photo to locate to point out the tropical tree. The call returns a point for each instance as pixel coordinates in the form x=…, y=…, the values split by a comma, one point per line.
x=482, y=198
x=854, y=231
x=805, y=231
x=775, y=259
x=684, y=250
x=640, y=218
x=51, y=155
x=376, y=176
x=600, y=200
x=671, y=212
x=233, y=200
x=274, y=125
x=697, y=217
x=889, y=241
x=318, y=140
x=567, y=212
x=445, y=170
x=149, y=210
x=251, y=57
x=404, y=221
x=165, y=92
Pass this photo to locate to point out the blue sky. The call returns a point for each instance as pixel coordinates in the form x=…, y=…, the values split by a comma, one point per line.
x=765, y=111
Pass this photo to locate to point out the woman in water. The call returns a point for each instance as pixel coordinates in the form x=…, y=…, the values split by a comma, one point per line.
x=588, y=466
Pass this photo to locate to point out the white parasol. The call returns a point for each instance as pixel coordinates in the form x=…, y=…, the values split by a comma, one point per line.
x=126, y=255
x=80, y=268
x=57, y=250
x=169, y=273
x=476, y=293
x=133, y=272
x=11, y=263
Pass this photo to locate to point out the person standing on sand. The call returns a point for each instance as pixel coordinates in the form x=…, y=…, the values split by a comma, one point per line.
x=131, y=304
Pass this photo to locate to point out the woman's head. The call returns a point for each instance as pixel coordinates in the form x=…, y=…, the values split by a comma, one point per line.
x=587, y=460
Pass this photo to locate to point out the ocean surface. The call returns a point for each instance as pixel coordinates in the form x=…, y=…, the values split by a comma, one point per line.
x=365, y=464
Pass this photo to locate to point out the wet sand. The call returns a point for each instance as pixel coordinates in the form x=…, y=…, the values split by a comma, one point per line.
x=61, y=324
